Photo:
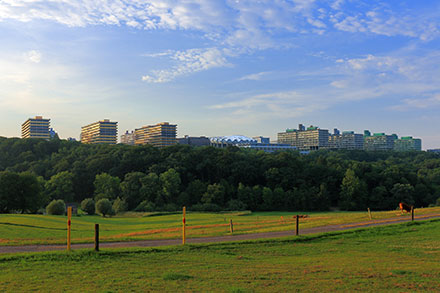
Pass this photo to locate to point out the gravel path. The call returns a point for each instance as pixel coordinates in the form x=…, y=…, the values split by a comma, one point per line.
x=167, y=242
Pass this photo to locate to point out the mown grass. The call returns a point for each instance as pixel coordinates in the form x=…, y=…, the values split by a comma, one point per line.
x=395, y=258
x=42, y=229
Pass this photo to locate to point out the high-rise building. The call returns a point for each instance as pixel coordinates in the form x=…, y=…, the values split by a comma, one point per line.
x=128, y=138
x=101, y=132
x=379, y=142
x=37, y=127
x=408, y=143
x=312, y=138
x=159, y=135
x=347, y=140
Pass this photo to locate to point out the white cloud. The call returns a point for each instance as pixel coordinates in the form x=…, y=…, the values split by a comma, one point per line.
x=189, y=61
x=22, y=82
x=336, y=5
x=407, y=74
x=421, y=103
x=384, y=20
x=230, y=25
x=287, y=104
x=34, y=56
x=255, y=76
x=339, y=84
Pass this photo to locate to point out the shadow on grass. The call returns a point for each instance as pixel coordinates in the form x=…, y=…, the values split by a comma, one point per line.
x=31, y=226
x=172, y=276
x=81, y=254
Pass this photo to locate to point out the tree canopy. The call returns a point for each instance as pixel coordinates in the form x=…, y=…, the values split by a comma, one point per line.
x=34, y=171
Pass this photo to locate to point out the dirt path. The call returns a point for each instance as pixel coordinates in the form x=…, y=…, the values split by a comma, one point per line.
x=167, y=242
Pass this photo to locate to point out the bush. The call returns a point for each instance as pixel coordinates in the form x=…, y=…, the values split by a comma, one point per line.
x=119, y=205
x=41, y=211
x=104, y=207
x=236, y=205
x=145, y=206
x=56, y=207
x=88, y=206
x=206, y=207
x=437, y=203
x=170, y=207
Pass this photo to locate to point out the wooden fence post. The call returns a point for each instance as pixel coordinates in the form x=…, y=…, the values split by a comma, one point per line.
x=183, y=227
x=297, y=225
x=369, y=214
x=231, y=226
x=412, y=213
x=96, y=237
x=69, y=224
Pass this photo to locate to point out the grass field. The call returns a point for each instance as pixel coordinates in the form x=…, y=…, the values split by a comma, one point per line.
x=395, y=258
x=18, y=229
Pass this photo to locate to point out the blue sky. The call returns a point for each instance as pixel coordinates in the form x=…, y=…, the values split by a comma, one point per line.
x=222, y=67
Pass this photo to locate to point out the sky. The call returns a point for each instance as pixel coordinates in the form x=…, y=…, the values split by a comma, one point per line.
x=222, y=67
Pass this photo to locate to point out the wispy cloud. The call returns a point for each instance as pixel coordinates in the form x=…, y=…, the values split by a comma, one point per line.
x=189, y=61
x=34, y=56
x=238, y=26
x=286, y=104
x=407, y=74
x=255, y=76
x=420, y=103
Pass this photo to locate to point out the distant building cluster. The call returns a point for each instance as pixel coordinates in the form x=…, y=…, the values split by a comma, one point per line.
x=314, y=138
x=257, y=143
x=106, y=132
x=165, y=134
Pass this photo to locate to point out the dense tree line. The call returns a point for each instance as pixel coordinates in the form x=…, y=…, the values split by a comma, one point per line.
x=34, y=172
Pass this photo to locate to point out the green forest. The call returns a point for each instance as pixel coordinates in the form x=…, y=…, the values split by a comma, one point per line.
x=34, y=172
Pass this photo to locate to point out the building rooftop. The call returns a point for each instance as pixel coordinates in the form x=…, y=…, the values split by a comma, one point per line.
x=235, y=139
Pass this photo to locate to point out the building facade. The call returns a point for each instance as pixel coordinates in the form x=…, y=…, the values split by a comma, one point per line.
x=348, y=140
x=312, y=138
x=100, y=132
x=159, y=135
x=194, y=141
x=269, y=147
x=249, y=143
x=379, y=142
x=408, y=143
x=262, y=139
x=128, y=138
x=37, y=127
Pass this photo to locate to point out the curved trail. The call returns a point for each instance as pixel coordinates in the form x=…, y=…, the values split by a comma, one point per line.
x=215, y=239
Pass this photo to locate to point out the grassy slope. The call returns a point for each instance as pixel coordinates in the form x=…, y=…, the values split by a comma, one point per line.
x=38, y=229
x=399, y=258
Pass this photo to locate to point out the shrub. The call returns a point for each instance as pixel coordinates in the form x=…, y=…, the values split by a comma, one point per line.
x=206, y=207
x=41, y=211
x=145, y=206
x=88, y=206
x=170, y=207
x=438, y=202
x=236, y=205
x=56, y=207
x=104, y=207
x=119, y=205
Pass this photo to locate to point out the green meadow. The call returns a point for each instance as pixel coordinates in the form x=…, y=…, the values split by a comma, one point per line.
x=395, y=258
x=22, y=229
